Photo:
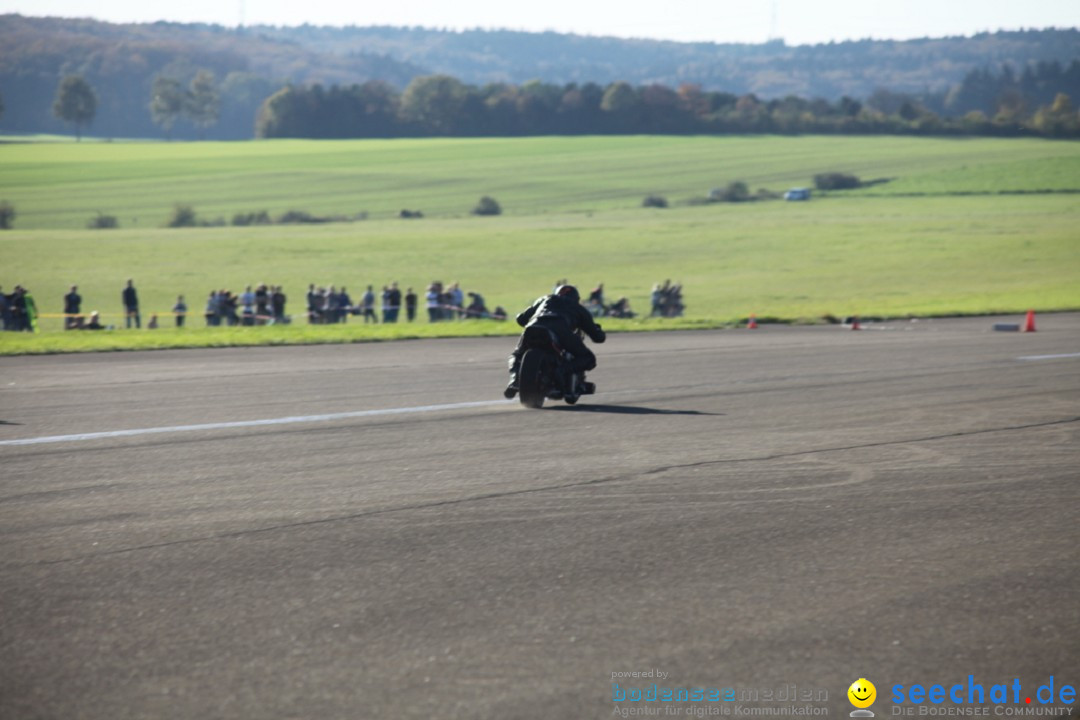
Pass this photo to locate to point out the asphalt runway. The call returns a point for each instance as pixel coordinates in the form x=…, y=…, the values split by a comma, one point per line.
x=370, y=531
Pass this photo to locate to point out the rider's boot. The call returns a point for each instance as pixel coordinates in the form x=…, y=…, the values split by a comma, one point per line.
x=512, y=386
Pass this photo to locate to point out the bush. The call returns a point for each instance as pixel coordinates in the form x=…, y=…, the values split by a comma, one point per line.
x=299, y=217
x=183, y=216
x=836, y=181
x=102, y=222
x=737, y=191
x=253, y=218
x=487, y=206
x=411, y=214
x=655, y=201
x=7, y=215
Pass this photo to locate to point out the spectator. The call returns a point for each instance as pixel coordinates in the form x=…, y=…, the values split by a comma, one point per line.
x=369, y=306
x=131, y=305
x=5, y=310
x=212, y=315
x=312, y=308
x=153, y=324
x=345, y=303
x=410, y=304
x=499, y=313
x=655, y=300
x=230, y=303
x=621, y=309
x=333, y=306
x=72, y=306
x=384, y=300
x=394, y=298
x=29, y=312
x=277, y=301
x=94, y=323
x=180, y=311
x=476, y=309
x=17, y=309
x=262, y=304
x=434, y=302
x=457, y=301
x=247, y=303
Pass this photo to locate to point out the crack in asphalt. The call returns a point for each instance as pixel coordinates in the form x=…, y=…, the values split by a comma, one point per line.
x=547, y=488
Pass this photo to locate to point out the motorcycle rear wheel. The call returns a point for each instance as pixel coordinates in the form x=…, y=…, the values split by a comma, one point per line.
x=530, y=380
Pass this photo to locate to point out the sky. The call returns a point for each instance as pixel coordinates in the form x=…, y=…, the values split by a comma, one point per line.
x=750, y=21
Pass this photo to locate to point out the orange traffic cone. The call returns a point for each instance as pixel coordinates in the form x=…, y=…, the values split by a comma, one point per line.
x=752, y=325
x=1029, y=323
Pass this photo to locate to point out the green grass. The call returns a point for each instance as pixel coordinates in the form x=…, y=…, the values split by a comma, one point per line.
x=63, y=185
x=938, y=240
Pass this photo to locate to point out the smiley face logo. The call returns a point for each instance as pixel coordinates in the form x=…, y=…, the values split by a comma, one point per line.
x=862, y=693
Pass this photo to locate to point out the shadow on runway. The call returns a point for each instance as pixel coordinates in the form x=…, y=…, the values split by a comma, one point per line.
x=629, y=410
x=5, y=422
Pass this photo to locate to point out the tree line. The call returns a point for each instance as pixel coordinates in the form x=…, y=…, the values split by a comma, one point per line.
x=440, y=105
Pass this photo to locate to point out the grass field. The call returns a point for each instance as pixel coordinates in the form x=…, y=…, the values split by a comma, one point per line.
x=964, y=226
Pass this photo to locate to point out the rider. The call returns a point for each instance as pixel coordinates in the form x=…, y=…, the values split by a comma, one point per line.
x=562, y=313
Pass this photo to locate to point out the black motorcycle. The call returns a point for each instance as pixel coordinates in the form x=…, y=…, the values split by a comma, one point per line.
x=545, y=371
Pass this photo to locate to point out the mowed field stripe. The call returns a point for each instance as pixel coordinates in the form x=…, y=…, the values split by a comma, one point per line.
x=291, y=420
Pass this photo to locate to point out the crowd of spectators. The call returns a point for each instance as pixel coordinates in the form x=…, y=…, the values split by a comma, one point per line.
x=18, y=310
x=667, y=300
x=264, y=304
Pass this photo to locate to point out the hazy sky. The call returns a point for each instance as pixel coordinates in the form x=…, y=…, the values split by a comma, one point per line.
x=805, y=21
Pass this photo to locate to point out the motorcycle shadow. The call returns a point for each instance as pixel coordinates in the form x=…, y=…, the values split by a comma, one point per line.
x=628, y=410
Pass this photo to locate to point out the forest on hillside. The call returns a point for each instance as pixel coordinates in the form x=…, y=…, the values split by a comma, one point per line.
x=146, y=79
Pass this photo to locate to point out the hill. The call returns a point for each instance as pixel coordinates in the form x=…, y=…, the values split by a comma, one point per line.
x=121, y=61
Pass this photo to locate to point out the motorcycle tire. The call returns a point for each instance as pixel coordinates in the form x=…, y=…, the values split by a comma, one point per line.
x=530, y=380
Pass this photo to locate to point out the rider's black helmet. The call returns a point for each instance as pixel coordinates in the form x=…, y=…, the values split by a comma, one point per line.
x=569, y=292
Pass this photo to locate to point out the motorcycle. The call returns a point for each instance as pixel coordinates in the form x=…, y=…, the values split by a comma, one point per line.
x=545, y=371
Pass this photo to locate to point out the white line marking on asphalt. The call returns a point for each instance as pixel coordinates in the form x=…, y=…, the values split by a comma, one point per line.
x=251, y=423
x=1049, y=357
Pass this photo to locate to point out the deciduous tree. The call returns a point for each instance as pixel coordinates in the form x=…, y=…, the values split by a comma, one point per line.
x=75, y=103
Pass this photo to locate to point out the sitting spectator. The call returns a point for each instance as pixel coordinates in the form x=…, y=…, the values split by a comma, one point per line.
x=94, y=322
x=476, y=309
x=621, y=309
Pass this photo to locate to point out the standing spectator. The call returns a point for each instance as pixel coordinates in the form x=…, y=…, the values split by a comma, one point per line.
x=247, y=302
x=131, y=305
x=312, y=310
x=5, y=310
x=29, y=312
x=384, y=298
x=229, y=303
x=277, y=301
x=262, y=304
x=72, y=308
x=211, y=312
x=656, y=299
x=345, y=303
x=17, y=305
x=369, y=305
x=333, y=306
x=394, y=298
x=180, y=311
x=457, y=301
x=410, y=304
x=434, y=302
